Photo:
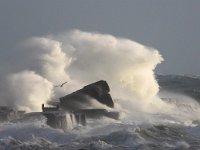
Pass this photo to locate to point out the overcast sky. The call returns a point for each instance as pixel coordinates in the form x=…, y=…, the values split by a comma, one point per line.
x=171, y=26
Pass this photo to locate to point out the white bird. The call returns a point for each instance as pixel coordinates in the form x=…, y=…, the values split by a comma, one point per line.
x=61, y=84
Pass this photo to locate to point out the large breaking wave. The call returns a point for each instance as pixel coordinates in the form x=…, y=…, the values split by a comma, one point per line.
x=81, y=58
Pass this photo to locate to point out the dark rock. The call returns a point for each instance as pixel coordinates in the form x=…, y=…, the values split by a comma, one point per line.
x=82, y=98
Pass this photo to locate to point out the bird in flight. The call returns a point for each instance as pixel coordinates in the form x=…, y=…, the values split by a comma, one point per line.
x=61, y=84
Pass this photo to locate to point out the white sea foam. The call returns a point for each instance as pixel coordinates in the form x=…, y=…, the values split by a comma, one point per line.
x=82, y=58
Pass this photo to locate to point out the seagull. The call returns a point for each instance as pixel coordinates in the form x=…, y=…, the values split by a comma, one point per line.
x=61, y=84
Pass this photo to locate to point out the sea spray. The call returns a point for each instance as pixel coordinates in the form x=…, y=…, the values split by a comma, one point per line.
x=82, y=58
x=27, y=91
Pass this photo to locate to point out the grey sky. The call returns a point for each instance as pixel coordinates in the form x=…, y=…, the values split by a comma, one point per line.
x=171, y=26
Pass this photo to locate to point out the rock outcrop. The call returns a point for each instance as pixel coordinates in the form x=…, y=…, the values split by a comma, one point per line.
x=83, y=98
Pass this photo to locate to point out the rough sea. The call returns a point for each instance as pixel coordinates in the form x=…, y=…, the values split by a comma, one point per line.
x=142, y=131
x=80, y=58
x=139, y=130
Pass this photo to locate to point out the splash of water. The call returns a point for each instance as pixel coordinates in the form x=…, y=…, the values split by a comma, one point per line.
x=28, y=91
x=81, y=58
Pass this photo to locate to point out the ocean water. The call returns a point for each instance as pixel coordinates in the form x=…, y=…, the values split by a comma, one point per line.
x=81, y=58
x=141, y=131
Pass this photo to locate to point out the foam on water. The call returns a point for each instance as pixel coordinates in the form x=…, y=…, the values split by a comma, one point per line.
x=107, y=135
x=82, y=58
x=79, y=58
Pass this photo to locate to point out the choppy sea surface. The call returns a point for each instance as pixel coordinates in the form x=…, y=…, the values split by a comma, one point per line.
x=141, y=131
x=177, y=130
